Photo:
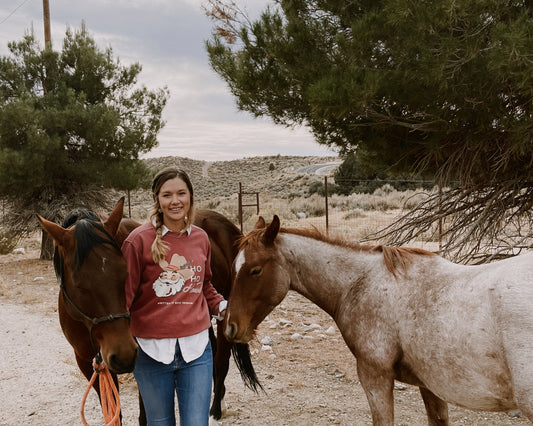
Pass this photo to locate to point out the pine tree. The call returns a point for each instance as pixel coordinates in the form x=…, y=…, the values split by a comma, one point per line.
x=438, y=88
x=72, y=123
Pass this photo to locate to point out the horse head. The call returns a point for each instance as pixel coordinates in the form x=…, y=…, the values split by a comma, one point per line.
x=260, y=281
x=92, y=274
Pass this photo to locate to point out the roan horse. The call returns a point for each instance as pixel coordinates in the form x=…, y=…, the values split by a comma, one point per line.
x=84, y=234
x=462, y=334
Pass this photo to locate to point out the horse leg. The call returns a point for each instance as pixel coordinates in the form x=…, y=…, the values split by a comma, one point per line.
x=436, y=408
x=518, y=351
x=378, y=384
x=220, y=371
x=520, y=362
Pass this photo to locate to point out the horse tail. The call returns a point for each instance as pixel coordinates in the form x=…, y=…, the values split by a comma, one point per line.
x=241, y=356
x=213, y=340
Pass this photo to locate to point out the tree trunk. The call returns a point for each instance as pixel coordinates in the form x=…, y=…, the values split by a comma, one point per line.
x=47, y=247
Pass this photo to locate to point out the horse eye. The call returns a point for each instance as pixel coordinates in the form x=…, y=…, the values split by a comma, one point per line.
x=256, y=270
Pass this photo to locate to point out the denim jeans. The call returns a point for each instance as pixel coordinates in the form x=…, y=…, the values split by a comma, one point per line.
x=191, y=382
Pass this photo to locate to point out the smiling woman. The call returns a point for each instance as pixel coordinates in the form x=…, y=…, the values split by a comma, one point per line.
x=175, y=202
x=170, y=297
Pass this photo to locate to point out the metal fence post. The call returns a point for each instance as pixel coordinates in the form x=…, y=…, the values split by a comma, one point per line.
x=240, y=204
x=326, y=196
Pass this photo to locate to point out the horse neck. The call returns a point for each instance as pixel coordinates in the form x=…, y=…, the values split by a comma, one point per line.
x=322, y=272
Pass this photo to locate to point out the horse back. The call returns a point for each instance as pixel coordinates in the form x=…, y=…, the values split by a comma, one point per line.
x=223, y=236
x=126, y=226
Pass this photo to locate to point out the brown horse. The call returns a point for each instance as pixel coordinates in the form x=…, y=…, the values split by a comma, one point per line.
x=85, y=225
x=462, y=334
x=92, y=304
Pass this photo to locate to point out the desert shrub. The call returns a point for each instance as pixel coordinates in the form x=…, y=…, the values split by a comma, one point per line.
x=8, y=241
x=312, y=206
x=354, y=214
x=212, y=204
x=384, y=190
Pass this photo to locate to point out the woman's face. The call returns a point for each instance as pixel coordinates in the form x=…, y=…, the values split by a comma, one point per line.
x=175, y=201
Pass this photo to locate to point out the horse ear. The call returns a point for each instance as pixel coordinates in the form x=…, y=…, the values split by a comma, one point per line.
x=115, y=217
x=272, y=230
x=56, y=232
x=260, y=224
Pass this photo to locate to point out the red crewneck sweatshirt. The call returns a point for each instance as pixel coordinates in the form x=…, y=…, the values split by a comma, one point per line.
x=174, y=298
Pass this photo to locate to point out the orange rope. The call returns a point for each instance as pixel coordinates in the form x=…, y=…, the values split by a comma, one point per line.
x=108, y=395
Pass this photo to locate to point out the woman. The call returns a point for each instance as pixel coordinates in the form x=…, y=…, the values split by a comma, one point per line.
x=170, y=298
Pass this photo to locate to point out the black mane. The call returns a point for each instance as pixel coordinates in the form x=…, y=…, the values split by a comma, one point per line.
x=88, y=232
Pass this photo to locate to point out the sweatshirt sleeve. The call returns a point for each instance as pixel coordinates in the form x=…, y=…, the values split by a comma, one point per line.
x=133, y=280
x=211, y=295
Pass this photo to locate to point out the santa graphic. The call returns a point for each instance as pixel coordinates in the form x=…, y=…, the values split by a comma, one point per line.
x=173, y=277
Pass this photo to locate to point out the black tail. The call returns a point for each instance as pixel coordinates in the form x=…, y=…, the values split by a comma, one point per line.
x=241, y=356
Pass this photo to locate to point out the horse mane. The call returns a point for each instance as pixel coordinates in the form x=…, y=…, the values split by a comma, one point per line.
x=88, y=232
x=395, y=258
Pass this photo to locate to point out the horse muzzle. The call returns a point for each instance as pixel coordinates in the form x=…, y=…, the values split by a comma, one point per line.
x=232, y=334
x=121, y=362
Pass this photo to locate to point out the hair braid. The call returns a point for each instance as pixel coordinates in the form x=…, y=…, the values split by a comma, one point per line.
x=159, y=247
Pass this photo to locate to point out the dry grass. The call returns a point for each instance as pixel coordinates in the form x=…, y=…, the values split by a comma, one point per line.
x=284, y=191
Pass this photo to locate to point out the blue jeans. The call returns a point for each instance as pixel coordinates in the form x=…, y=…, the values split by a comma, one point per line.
x=191, y=381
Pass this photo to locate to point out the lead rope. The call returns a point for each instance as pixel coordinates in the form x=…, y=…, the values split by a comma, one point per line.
x=109, y=397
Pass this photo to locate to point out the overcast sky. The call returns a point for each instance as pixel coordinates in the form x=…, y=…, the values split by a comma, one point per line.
x=167, y=38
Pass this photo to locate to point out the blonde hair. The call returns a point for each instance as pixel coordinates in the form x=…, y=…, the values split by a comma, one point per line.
x=159, y=247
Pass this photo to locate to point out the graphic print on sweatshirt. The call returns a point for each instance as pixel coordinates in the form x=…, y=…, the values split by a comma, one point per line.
x=172, y=279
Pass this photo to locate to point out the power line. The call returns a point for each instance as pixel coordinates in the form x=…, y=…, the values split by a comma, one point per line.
x=12, y=13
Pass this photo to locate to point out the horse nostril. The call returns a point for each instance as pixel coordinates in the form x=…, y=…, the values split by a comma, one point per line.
x=117, y=365
x=231, y=331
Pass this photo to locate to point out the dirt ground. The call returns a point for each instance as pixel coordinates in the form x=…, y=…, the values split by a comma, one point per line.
x=307, y=371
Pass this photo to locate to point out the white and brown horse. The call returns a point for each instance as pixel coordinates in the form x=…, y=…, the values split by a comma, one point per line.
x=462, y=334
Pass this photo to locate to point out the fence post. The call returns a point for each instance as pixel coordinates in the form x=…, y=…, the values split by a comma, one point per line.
x=129, y=204
x=240, y=204
x=326, y=196
x=440, y=217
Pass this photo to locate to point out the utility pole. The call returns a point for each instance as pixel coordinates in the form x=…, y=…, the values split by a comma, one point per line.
x=46, y=16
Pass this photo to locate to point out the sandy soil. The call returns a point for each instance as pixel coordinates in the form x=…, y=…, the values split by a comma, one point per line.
x=307, y=372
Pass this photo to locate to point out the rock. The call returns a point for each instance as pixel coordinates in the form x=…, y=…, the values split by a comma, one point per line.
x=515, y=413
x=301, y=215
x=331, y=331
x=296, y=336
x=267, y=341
x=311, y=327
x=284, y=323
x=19, y=250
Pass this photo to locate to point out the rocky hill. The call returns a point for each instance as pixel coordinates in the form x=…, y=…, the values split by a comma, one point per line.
x=280, y=175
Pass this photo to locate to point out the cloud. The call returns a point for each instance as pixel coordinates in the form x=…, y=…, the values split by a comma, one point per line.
x=167, y=38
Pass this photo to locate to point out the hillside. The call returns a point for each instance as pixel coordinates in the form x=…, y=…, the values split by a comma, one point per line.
x=275, y=174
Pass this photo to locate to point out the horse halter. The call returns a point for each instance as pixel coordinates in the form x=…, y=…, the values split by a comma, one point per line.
x=94, y=320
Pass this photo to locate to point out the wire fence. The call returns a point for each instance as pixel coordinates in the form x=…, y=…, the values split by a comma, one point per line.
x=355, y=216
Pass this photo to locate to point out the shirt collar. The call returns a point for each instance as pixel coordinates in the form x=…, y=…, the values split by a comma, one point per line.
x=165, y=230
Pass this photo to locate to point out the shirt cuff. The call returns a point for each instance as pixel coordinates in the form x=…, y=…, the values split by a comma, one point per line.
x=221, y=307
